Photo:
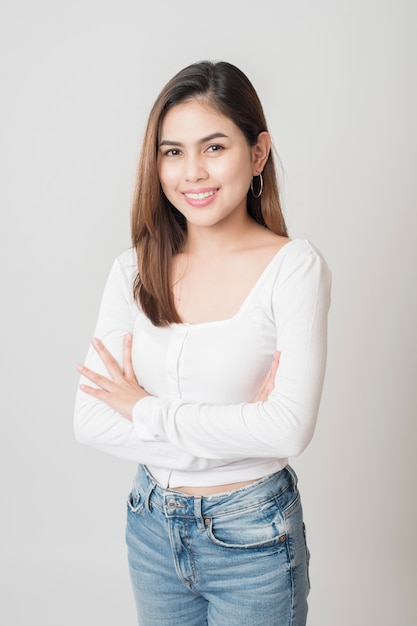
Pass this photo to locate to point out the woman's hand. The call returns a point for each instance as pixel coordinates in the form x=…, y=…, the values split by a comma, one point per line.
x=122, y=390
x=268, y=382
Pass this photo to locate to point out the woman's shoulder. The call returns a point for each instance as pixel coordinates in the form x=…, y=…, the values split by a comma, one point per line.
x=127, y=261
x=285, y=248
x=301, y=250
x=124, y=268
x=301, y=263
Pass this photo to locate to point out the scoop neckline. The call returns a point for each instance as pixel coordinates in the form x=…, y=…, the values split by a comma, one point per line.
x=248, y=297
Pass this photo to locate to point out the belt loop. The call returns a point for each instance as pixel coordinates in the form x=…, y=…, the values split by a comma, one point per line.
x=198, y=512
x=292, y=474
x=148, y=494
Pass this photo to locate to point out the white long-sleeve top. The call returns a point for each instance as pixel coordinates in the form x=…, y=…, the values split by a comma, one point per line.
x=199, y=426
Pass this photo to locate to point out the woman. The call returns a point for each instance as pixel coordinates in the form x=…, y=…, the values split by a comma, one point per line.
x=208, y=363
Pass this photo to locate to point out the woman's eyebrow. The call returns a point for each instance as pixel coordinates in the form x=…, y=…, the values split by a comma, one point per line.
x=168, y=142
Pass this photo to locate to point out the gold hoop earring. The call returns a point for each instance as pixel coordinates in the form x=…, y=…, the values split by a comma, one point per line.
x=261, y=186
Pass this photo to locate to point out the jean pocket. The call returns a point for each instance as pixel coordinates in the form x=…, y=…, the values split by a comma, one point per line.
x=261, y=526
x=135, y=502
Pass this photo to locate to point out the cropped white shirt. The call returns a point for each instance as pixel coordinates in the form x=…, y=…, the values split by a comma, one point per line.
x=199, y=426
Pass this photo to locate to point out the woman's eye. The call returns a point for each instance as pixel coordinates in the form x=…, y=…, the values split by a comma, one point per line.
x=215, y=148
x=172, y=152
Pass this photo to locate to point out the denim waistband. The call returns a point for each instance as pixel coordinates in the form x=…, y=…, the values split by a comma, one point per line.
x=178, y=504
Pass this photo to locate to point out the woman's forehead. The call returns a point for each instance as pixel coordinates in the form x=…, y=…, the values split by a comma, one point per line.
x=196, y=118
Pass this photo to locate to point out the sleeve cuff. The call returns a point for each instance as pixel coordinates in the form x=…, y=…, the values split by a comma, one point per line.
x=147, y=419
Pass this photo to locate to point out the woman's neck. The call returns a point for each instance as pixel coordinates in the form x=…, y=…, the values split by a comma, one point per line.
x=221, y=238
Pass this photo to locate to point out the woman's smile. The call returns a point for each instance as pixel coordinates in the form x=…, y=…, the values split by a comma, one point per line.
x=200, y=198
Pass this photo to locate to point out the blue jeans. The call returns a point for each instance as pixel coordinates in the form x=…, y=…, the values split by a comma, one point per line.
x=233, y=559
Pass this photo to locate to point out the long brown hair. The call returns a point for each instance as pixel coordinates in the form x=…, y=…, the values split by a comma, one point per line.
x=158, y=228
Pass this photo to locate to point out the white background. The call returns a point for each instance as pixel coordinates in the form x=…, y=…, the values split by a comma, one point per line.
x=338, y=83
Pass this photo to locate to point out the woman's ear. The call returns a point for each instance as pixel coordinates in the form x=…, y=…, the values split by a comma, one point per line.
x=260, y=152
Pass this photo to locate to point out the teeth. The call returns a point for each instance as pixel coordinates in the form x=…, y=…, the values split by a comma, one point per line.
x=200, y=196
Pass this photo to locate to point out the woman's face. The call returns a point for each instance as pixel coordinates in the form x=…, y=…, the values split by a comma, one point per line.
x=205, y=164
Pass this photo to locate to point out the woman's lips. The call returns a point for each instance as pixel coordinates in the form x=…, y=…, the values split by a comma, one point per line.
x=201, y=197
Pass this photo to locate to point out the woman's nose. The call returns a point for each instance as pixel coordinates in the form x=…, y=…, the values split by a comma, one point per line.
x=195, y=169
